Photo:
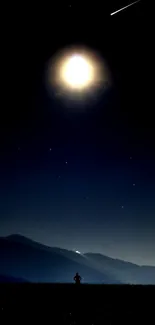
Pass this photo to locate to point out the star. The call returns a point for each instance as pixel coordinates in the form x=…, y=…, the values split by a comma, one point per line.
x=122, y=206
x=50, y=149
x=66, y=162
x=130, y=158
x=134, y=184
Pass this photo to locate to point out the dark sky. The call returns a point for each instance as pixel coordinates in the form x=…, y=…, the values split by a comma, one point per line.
x=81, y=178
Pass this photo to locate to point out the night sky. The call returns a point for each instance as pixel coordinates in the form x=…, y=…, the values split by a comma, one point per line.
x=81, y=176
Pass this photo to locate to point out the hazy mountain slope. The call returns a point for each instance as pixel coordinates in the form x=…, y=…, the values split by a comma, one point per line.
x=24, y=258
x=125, y=272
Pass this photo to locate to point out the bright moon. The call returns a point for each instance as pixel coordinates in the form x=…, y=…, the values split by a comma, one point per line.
x=77, y=72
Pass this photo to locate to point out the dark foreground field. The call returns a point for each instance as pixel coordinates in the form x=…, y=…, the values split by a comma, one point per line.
x=71, y=304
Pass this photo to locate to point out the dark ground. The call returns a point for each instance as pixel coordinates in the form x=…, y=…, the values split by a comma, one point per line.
x=71, y=304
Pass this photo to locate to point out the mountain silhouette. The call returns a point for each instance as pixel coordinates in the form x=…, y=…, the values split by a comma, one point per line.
x=11, y=279
x=23, y=258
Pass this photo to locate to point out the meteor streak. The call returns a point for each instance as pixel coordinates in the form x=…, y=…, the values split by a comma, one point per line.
x=115, y=12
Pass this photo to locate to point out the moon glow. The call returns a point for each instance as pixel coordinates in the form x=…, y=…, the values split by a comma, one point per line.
x=77, y=73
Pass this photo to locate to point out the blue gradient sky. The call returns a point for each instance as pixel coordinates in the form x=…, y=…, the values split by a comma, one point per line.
x=90, y=203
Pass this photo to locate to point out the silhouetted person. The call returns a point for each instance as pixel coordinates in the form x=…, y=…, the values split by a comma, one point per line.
x=77, y=278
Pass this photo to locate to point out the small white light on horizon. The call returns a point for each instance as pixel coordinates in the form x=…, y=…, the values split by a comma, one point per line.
x=77, y=252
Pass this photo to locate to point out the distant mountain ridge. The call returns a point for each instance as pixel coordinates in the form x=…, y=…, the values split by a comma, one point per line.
x=23, y=258
x=11, y=279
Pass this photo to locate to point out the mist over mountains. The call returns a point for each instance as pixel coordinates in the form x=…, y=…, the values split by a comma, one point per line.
x=24, y=260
